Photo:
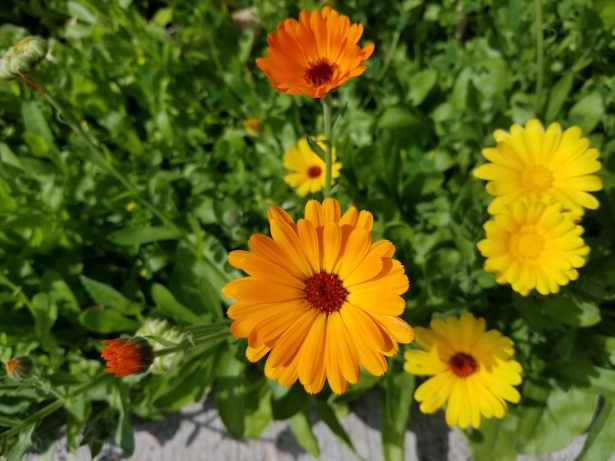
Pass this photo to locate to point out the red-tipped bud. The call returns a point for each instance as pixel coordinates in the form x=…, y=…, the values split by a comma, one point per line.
x=20, y=367
x=130, y=356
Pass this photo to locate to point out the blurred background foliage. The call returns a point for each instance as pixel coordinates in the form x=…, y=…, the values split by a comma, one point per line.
x=165, y=86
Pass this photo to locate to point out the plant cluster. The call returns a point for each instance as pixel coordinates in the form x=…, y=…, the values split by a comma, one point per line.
x=162, y=172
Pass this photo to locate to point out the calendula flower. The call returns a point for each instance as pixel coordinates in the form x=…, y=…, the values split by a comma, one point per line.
x=541, y=165
x=131, y=356
x=20, y=367
x=252, y=125
x=314, y=55
x=533, y=246
x=320, y=297
x=308, y=169
x=471, y=370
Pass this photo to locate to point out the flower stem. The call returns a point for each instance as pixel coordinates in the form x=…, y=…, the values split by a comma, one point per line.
x=328, y=122
x=98, y=157
x=184, y=345
x=540, y=53
x=53, y=406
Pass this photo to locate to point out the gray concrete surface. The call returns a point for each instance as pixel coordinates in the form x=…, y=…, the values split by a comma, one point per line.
x=197, y=433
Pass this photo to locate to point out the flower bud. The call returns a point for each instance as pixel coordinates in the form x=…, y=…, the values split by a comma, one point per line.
x=20, y=367
x=130, y=356
x=23, y=57
x=162, y=329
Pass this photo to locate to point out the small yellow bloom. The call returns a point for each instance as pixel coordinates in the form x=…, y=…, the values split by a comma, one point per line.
x=471, y=370
x=131, y=206
x=321, y=298
x=141, y=60
x=541, y=165
x=252, y=124
x=308, y=169
x=534, y=246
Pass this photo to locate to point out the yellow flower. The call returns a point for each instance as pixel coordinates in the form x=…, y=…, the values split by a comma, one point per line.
x=320, y=296
x=308, y=168
x=533, y=246
x=314, y=55
x=471, y=370
x=547, y=166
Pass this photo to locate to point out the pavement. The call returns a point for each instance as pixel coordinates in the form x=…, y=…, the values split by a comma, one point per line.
x=197, y=433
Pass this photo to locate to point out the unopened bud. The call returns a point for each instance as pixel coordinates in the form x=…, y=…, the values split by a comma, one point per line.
x=20, y=367
x=130, y=356
x=23, y=57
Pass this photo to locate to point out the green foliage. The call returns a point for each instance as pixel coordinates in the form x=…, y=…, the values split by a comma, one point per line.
x=83, y=258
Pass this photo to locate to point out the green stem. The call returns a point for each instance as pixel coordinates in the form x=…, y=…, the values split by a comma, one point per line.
x=328, y=122
x=53, y=406
x=98, y=157
x=540, y=53
x=184, y=345
x=17, y=291
x=42, y=413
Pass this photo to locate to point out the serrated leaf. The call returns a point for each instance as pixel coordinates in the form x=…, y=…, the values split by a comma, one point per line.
x=167, y=303
x=106, y=321
x=105, y=295
x=143, y=235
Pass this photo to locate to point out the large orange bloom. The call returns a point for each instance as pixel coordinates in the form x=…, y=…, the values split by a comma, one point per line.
x=320, y=296
x=314, y=55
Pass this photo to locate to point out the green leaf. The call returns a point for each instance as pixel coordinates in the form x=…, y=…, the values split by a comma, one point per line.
x=301, y=426
x=124, y=433
x=23, y=443
x=101, y=320
x=167, y=303
x=587, y=112
x=144, y=235
x=421, y=84
x=35, y=122
x=395, y=398
x=163, y=16
x=600, y=443
x=552, y=417
x=495, y=439
x=107, y=296
x=188, y=386
x=558, y=96
x=572, y=310
x=287, y=401
x=258, y=413
x=230, y=391
x=45, y=314
x=327, y=414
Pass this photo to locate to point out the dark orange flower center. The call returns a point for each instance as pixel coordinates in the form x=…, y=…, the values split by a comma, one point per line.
x=463, y=364
x=314, y=172
x=320, y=72
x=325, y=292
x=11, y=365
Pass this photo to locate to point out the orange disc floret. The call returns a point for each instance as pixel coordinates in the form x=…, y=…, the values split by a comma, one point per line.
x=314, y=55
x=130, y=356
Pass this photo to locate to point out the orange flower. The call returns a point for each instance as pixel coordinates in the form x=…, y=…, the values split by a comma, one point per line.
x=321, y=298
x=314, y=55
x=131, y=356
